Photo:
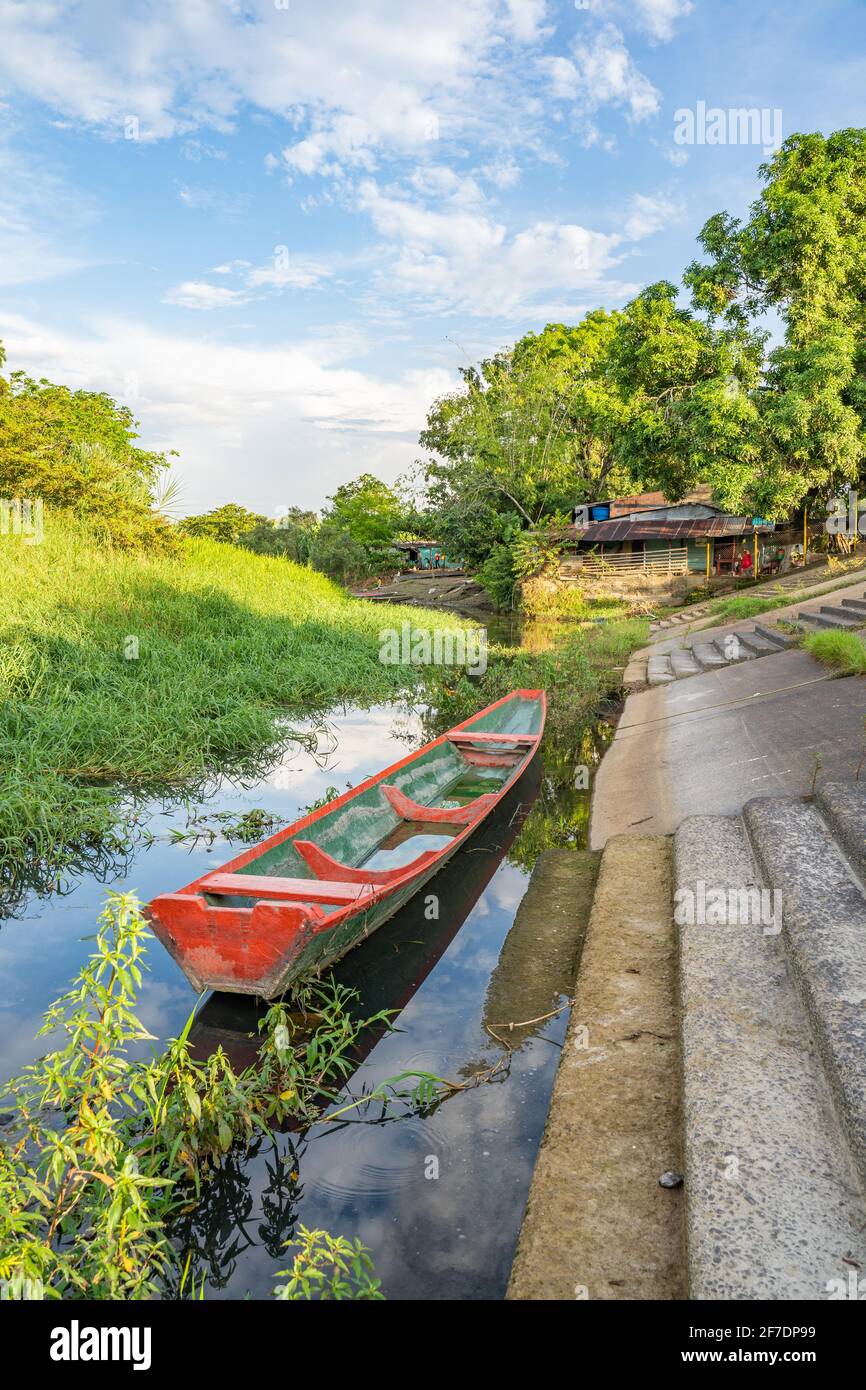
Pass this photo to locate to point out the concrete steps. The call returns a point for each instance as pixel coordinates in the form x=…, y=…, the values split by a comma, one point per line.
x=778, y=639
x=828, y=616
x=857, y=605
x=659, y=669
x=825, y=932
x=708, y=655
x=683, y=663
x=774, y=1046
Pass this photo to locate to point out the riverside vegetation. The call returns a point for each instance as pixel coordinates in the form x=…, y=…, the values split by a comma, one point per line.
x=104, y=1147
x=124, y=674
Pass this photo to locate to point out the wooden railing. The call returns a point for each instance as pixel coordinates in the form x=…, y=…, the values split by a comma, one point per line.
x=675, y=560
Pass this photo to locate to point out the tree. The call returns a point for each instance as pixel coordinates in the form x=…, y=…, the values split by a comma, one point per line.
x=292, y=536
x=801, y=254
x=498, y=440
x=75, y=450
x=368, y=514
x=532, y=432
x=688, y=401
x=368, y=509
x=227, y=523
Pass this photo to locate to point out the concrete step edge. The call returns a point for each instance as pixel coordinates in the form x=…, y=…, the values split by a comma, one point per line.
x=597, y=1219
x=824, y=915
x=843, y=806
x=773, y=1201
x=823, y=620
x=779, y=639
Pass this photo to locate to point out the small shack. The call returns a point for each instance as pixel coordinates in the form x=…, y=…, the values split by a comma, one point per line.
x=424, y=555
x=646, y=532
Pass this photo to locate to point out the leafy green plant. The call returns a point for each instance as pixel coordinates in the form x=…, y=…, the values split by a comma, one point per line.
x=233, y=651
x=328, y=1267
x=104, y=1148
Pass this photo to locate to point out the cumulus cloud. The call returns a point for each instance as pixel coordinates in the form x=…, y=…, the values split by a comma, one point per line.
x=451, y=259
x=659, y=17
x=247, y=418
x=605, y=74
x=369, y=78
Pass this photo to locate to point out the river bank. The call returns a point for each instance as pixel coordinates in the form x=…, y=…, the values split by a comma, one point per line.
x=219, y=721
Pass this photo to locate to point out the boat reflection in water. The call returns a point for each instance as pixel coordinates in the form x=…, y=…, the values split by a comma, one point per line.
x=255, y=1200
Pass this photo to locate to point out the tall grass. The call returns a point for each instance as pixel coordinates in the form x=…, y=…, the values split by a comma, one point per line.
x=845, y=652
x=126, y=673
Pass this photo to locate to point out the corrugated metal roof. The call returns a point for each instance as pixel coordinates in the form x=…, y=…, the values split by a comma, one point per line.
x=607, y=532
x=621, y=506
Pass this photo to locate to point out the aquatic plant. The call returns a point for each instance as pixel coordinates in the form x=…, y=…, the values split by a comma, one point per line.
x=327, y=1267
x=104, y=1147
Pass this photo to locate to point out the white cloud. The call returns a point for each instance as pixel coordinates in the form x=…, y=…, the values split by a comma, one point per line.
x=606, y=75
x=648, y=215
x=504, y=173
x=198, y=294
x=527, y=18
x=295, y=272
x=370, y=83
x=659, y=17
x=367, y=78
x=449, y=259
x=282, y=272
x=248, y=419
x=656, y=17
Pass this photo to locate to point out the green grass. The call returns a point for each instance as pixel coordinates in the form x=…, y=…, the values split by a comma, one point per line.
x=751, y=604
x=231, y=645
x=843, y=651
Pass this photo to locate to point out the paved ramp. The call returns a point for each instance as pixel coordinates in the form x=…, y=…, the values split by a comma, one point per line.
x=706, y=745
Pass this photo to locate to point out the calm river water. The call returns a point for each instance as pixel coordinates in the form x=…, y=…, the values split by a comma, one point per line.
x=438, y=1200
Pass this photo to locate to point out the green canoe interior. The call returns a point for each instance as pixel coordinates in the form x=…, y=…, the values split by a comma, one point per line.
x=367, y=832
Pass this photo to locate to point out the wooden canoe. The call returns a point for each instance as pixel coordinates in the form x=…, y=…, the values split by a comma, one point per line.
x=297, y=902
x=397, y=959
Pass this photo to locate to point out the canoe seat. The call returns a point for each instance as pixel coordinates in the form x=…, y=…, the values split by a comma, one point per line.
x=289, y=889
x=466, y=736
x=330, y=870
x=442, y=815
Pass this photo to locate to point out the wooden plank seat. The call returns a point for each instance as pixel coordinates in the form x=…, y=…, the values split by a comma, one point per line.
x=436, y=815
x=465, y=736
x=331, y=870
x=309, y=890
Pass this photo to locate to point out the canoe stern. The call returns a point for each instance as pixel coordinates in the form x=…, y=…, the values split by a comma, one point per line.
x=239, y=950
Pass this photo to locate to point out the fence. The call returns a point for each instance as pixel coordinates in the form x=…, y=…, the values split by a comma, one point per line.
x=675, y=560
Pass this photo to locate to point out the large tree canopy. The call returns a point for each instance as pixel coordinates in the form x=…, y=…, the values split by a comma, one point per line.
x=801, y=255
x=687, y=391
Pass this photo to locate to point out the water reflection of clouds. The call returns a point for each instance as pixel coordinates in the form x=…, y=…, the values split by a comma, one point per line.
x=447, y=1237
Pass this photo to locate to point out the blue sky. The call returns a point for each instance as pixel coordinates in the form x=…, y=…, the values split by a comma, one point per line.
x=278, y=228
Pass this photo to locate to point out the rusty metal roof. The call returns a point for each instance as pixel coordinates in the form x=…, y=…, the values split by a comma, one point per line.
x=644, y=501
x=706, y=527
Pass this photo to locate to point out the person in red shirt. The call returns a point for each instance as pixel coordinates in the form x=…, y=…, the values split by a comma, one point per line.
x=746, y=563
